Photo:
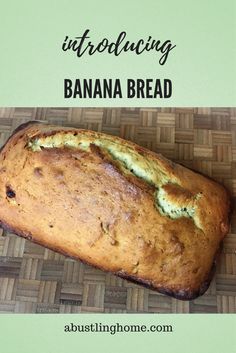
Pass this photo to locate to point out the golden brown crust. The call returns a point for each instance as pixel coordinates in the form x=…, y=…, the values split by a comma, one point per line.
x=159, y=225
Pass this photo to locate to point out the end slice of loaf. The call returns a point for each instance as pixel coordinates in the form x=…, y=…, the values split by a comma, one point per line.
x=114, y=205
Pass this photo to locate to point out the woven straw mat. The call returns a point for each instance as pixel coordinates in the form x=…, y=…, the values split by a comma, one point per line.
x=36, y=280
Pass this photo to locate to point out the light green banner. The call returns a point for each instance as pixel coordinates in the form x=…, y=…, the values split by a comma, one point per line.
x=202, y=70
x=201, y=66
x=190, y=333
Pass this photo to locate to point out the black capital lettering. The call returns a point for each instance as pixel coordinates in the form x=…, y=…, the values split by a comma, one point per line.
x=130, y=88
x=67, y=88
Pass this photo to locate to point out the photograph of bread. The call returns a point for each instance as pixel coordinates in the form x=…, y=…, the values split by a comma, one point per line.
x=93, y=193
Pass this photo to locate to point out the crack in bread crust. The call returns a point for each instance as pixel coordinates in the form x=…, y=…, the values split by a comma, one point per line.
x=128, y=160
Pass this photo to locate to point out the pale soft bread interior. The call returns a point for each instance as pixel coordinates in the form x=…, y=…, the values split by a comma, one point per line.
x=134, y=162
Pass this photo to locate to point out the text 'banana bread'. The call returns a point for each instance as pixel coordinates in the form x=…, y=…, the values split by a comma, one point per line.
x=114, y=205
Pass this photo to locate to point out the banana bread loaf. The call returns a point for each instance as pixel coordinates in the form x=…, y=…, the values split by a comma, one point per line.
x=114, y=205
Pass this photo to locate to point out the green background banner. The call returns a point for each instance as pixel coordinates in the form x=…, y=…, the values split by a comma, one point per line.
x=202, y=66
x=191, y=333
x=202, y=70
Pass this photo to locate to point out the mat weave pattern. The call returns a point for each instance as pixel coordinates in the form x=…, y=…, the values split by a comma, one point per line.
x=36, y=280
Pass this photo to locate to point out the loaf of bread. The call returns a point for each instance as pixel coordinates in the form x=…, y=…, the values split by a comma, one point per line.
x=113, y=205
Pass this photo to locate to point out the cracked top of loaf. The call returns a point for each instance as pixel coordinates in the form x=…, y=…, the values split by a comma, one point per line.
x=114, y=205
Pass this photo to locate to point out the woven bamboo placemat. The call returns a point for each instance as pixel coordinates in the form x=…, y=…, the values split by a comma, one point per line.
x=36, y=280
